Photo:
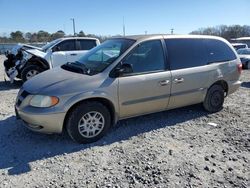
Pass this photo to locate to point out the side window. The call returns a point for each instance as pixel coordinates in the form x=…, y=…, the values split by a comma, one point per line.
x=146, y=57
x=85, y=44
x=186, y=53
x=67, y=45
x=218, y=51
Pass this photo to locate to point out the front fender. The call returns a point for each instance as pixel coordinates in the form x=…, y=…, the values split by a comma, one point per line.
x=90, y=96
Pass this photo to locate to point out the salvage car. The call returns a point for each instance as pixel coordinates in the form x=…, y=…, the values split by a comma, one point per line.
x=126, y=77
x=15, y=60
x=244, y=54
x=36, y=60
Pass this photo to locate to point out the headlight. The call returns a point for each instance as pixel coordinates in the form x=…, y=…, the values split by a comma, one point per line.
x=43, y=101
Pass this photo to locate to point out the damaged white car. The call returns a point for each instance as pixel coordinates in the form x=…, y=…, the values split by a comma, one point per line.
x=26, y=61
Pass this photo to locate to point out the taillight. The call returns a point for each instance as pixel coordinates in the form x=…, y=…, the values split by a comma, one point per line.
x=239, y=67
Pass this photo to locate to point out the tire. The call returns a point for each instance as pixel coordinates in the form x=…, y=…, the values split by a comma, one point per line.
x=214, y=99
x=26, y=73
x=81, y=126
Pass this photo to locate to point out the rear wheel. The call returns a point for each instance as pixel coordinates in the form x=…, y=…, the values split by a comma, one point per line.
x=88, y=122
x=30, y=71
x=214, y=99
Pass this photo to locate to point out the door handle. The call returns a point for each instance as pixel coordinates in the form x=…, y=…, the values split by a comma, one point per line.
x=178, y=80
x=164, y=82
x=73, y=54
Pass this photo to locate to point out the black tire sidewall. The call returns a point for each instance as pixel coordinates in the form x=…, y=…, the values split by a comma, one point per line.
x=29, y=68
x=78, y=113
x=215, y=89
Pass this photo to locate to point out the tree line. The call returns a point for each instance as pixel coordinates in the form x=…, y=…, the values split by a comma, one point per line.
x=42, y=36
x=227, y=32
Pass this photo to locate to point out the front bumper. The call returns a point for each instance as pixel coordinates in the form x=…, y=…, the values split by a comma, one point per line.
x=42, y=122
x=233, y=86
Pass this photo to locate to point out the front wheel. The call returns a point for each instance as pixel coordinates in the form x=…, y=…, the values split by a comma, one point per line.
x=30, y=71
x=214, y=99
x=88, y=122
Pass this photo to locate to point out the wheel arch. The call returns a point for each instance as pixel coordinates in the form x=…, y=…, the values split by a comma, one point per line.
x=38, y=61
x=222, y=83
x=110, y=106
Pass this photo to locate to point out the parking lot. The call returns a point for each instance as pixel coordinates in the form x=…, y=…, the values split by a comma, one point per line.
x=185, y=147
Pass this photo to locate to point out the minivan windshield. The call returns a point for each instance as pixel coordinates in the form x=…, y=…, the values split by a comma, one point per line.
x=50, y=44
x=100, y=57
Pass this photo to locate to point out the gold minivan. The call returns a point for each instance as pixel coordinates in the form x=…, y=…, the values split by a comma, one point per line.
x=126, y=77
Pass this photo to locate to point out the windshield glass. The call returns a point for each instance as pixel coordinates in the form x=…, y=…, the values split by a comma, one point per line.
x=50, y=44
x=243, y=51
x=100, y=57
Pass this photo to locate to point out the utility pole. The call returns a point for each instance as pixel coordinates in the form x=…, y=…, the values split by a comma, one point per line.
x=123, y=27
x=74, y=29
x=172, y=31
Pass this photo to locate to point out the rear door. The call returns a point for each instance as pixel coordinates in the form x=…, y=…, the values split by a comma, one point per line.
x=190, y=73
x=84, y=45
x=147, y=89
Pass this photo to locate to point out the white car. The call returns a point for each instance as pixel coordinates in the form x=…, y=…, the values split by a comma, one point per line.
x=244, y=54
x=238, y=46
x=53, y=54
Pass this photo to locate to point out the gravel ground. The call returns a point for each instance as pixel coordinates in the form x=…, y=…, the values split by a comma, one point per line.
x=177, y=148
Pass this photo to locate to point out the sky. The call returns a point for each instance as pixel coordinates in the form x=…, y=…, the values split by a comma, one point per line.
x=105, y=17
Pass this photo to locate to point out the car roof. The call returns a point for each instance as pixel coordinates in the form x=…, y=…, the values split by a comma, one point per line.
x=165, y=36
x=85, y=38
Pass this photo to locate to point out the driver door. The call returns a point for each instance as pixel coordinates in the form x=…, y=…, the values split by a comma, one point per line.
x=63, y=53
x=147, y=88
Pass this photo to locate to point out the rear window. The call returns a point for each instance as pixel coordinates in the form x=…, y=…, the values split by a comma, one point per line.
x=186, y=53
x=218, y=51
x=86, y=44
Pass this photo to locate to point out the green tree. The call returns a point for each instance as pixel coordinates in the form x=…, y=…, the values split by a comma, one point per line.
x=81, y=34
x=17, y=36
x=43, y=36
x=56, y=35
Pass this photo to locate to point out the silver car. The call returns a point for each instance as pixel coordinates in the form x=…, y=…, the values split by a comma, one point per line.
x=126, y=77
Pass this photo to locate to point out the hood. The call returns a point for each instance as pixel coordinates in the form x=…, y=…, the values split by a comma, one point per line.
x=15, y=49
x=36, y=52
x=57, y=82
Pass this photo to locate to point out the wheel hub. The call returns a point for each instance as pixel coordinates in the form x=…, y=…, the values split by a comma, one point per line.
x=91, y=124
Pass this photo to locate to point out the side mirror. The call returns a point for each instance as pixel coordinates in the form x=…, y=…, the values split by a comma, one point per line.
x=123, y=70
x=55, y=49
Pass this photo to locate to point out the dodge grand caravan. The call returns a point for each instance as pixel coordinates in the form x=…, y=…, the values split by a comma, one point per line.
x=126, y=77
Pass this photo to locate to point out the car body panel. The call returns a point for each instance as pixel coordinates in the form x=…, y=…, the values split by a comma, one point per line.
x=130, y=95
x=140, y=94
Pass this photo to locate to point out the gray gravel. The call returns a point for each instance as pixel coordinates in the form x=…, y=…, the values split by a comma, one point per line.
x=185, y=147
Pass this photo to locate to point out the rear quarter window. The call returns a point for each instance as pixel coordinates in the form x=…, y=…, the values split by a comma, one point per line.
x=218, y=51
x=186, y=53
